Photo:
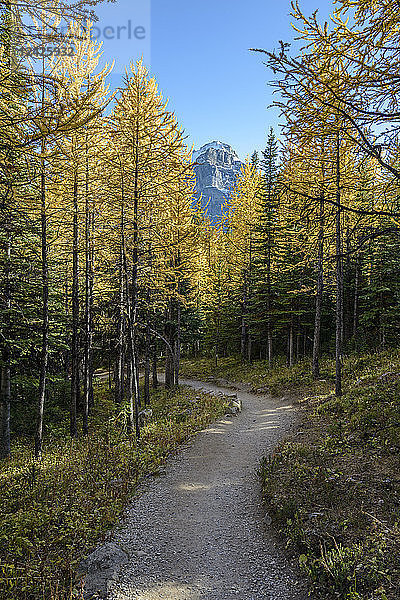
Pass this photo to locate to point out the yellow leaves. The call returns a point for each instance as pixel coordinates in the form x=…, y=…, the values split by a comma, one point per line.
x=77, y=69
x=150, y=178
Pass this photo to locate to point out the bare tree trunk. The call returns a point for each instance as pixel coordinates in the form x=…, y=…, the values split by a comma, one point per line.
x=133, y=392
x=147, y=365
x=177, y=357
x=339, y=278
x=249, y=348
x=298, y=340
x=5, y=406
x=169, y=359
x=130, y=390
x=137, y=366
x=319, y=295
x=86, y=353
x=91, y=301
x=75, y=316
x=288, y=348
x=291, y=344
x=347, y=301
x=154, y=355
x=134, y=358
x=109, y=369
x=356, y=300
x=155, y=374
x=67, y=320
x=88, y=376
x=269, y=344
x=120, y=367
x=249, y=302
x=217, y=343
x=168, y=370
x=243, y=334
x=5, y=390
x=147, y=350
x=45, y=314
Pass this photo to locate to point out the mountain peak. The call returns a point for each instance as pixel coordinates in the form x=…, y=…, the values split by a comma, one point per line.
x=217, y=167
x=215, y=145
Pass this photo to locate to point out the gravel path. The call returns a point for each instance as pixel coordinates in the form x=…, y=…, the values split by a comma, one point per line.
x=199, y=531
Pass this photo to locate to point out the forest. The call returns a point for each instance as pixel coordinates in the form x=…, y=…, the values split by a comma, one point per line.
x=113, y=280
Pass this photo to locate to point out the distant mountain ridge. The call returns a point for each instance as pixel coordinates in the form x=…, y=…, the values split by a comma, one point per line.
x=216, y=171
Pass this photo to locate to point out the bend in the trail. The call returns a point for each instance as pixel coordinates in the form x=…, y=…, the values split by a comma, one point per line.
x=199, y=532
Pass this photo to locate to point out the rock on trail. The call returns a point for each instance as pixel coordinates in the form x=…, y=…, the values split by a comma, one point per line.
x=199, y=531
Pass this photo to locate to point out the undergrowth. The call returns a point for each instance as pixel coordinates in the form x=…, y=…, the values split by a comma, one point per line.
x=333, y=487
x=52, y=513
x=279, y=379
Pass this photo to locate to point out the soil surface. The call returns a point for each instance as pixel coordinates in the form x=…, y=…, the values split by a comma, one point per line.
x=199, y=531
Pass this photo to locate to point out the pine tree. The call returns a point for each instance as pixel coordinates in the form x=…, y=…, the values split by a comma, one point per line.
x=264, y=245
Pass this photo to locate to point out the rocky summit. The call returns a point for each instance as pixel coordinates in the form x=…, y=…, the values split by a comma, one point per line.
x=216, y=166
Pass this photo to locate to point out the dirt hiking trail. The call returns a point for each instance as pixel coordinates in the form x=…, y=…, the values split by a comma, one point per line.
x=199, y=531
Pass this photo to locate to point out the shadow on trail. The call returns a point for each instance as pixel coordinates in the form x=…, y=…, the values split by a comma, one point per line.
x=198, y=532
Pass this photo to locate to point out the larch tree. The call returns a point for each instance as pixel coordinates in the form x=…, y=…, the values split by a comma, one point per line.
x=150, y=141
x=82, y=94
x=242, y=213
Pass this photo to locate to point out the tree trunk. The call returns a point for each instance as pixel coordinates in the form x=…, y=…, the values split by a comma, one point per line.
x=291, y=344
x=88, y=308
x=298, y=342
x=347, y=301
x=177, y=357
x=383, y=336
x=147, y=351
x=137, y=372
x=155, y=374
x=356, y=300
x=269, y=346
x=120, y=368
x=67, y=352
x=168, y=370
x=130, y=390
x=134, y=360
x=249, y=302
x=91, y=301
x=75, y=316
x=147, y=365
x=109, y=369
x=169, y=359
x=339, y=278
x=5, y=406
x=133, y=392
x=243, y=329
x=119, y=379
x=319, y=295
x=5, y=390
x=288, y=348
x=217, y=343
x=45, y=315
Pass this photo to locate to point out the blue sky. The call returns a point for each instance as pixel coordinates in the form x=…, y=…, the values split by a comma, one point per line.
x=198, y=52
